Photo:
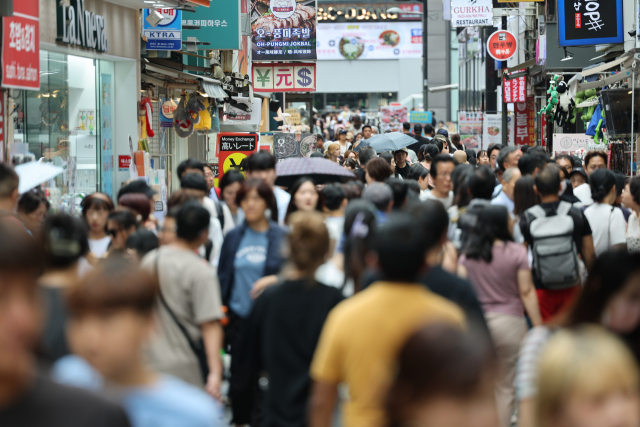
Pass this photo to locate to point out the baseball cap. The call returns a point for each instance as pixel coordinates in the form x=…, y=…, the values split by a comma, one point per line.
x=137, y=186
x=579, y=171
x=342, y=132
x=401, y=150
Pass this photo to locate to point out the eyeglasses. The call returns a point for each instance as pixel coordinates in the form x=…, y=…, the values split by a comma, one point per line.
x=113, y=232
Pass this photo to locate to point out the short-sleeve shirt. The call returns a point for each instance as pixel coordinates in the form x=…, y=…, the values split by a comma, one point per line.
x=608, y=226
x=190, y=288
x=362, y=336
x=581, y=228
x=248, y=267
x=496, y=283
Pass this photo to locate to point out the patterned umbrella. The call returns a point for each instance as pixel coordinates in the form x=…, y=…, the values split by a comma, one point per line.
x=322, y=171
x=390, y=141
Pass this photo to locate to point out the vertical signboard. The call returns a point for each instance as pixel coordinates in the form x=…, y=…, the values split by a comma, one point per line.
x=515, y=90
x=233, y=148
x=525, y=122
x=106, y=125
x=219, y=25
x=471, y=13
x=590, y=22
x=283, y=30
x=167, y=34
x=21, y=46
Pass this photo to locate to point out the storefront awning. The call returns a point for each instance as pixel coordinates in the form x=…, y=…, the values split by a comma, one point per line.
x=524, y=66
x=608, y=65
x=212, y=87
x=445, y=88
x=214, y=90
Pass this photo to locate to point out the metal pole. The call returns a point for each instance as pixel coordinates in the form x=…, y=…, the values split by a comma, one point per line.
x=425, y=56
x=505, y=113
x=633, y=105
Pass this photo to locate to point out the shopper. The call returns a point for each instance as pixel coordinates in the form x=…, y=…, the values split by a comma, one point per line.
x=578, y=177
x=444, y=378
x=365, y=156
x=524, y=195
x=377, y=170
x=499, y=270
x=189, y=338
x=587, y=378
x=421, y=175
x=29, y=398
x=507, y=158
x=483, y=158
x=402, y=166
x=283, y=331
x=96, y=208
x=120, y=225
x=607, y=222
x=343, y=145
x=563, y=231
x=138, y=204
x=194, y=185
x=609, y=298
x=389, y=157
x=230, y=184
x=493, y=152
x=358, y=345
x=333, y=152
x=440, y=172
x=251, y=256
x=335, y=203
x=64, y=240
x=565, y=161
x=262, y=165
x=508, y=181
x=141, y=243
x=9, y=195
x=210, y=177
x=32, y=210
x=304, y=197
x=631, y=200
x=532, y=163
x=593, y=161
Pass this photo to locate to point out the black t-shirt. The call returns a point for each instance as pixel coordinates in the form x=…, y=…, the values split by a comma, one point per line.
x=581, y=227
x=420, y=142
x=53, y=405
x=403, y=172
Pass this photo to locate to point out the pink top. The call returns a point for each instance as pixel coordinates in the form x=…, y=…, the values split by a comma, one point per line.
x=497, y=283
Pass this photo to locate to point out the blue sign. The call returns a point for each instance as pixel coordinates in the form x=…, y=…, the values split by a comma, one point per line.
x=590, y=22
x=421, y=117
x=167, y=34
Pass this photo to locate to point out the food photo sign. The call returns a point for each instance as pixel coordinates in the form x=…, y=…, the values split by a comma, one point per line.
x=283, y=30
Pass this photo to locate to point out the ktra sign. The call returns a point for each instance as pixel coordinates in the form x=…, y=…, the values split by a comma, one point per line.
x=294, y=77
x=77, y=26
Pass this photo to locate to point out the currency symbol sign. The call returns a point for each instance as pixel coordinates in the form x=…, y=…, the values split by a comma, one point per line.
x=263, y=78
x=304, y=76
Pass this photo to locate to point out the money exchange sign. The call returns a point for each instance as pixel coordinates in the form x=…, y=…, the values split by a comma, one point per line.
x=294, y=77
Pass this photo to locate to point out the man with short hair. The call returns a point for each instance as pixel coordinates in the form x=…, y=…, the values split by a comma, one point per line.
x=366, y=132
x=493, y=151
x=429, y=132
x=320, y=143
x=406, y=128
x=335, y=203
x=417, y=134
x=262, y=165
x=210, y=178
x=190, y=295
x=194, y=185
x=532, y=163
x=402, y=167
x=507, y=158
x=440, y=172
x=554, y=299
x=505, y=198
x=565, y=161
x=358, y=346
x=593, y=161
x=366, y=154
x=28, y=398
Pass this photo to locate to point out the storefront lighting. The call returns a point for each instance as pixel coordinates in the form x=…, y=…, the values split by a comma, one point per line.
x=147, y=1
x=46, y=95
x=567, y=55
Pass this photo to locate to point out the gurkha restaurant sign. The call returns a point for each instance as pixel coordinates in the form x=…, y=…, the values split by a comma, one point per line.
x=590, y=22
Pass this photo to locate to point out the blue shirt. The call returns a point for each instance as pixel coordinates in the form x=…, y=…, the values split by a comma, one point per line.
x=504, y=200
x=248, y=267
x=167, y=403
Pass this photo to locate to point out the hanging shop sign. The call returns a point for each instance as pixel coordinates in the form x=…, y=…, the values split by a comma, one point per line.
x=21, y=46
x=80, y=27
x=287, y=145
x=233, y=148
x=492, y=130
x=590, y=22
x=124, y=162
x=283, y=30
x=340, y=12
x=515, y=90
x=371, y=40
x=294, y=77
x=425, y=117
x=167, y=34
x=166, y=112
x=502, y=45
x=525, y=118
x=468, y=13
x=219, y=25
x=570, y=142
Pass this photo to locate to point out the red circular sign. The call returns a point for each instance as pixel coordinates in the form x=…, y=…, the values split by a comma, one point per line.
x=502, y=45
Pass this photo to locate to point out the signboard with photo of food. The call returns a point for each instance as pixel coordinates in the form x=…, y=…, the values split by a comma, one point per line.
x=283, y=30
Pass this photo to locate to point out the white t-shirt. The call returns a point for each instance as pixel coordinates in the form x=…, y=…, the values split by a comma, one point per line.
x=608, y=226
x=428, y=195
x=99, y=247
x=583, y=192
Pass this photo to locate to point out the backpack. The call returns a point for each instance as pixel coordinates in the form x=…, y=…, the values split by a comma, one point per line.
x=555, y=255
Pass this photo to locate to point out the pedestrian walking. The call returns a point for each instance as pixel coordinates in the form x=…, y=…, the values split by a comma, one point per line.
x=120, y=225
x=95, y=211
x=304, y=197
x=402, y=166
x=377, y=170
x=440, y=172
x=593, y=161
x=607, y=222
x=32, y=210
x=230, y=184
x=262, y=165
x=631, y=200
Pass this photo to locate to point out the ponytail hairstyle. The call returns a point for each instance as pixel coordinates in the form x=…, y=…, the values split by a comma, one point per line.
x=601, y=182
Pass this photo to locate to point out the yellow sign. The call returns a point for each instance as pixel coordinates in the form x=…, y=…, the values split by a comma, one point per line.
x=234, y=161
x=295, y=118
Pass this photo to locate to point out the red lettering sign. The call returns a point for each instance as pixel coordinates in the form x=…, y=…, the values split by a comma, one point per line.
x=502, y=45
x=525, y=117
x=578, y=20
x=124, y=161
x=20, y=59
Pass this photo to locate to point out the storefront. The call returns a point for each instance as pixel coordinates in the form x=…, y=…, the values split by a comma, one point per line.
x=86, y=106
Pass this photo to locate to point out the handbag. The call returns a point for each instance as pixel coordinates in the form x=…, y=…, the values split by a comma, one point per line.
x=197, y=347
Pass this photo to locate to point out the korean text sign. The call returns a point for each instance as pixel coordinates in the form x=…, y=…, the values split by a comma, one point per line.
x=167, y=35
x=294, y=77
x=515, y=90
x=21, y=46
x=590, y=22
x=283, y=30
x=502, y=45
x=525, y=122
x=219, y=25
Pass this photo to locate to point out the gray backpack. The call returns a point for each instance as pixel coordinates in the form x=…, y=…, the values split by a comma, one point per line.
x=555, y=256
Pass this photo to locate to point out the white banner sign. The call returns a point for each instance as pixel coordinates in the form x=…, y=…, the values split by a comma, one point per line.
x=570, y=142
x=471, y=13
x=492, y=130
x=370, y=40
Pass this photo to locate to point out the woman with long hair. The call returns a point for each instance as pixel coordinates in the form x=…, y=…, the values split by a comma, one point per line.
x=332, y=152
x=498, y=268
x=96, y=207
x=610, y=298
x=606, y=221
x=304, y=197
x=524, y=195
x=631, y=200
x=360, y=226
x=283, y=330
x=230, y=184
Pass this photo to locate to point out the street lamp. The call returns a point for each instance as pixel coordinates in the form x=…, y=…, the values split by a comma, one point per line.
x=425, y=50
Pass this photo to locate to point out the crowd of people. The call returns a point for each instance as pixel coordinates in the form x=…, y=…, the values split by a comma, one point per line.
x=457, y=289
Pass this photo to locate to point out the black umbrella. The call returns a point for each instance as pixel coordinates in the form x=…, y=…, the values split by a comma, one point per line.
x=322, y=171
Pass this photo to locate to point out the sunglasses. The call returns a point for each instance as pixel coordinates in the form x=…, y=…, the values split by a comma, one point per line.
x=113, y=232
